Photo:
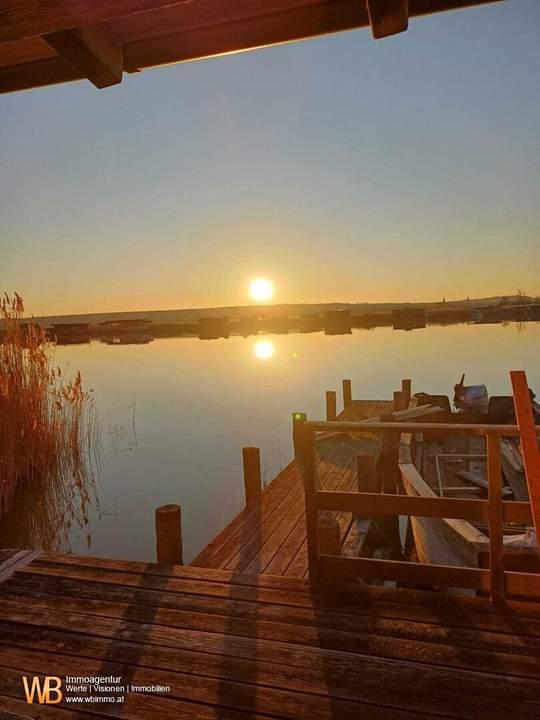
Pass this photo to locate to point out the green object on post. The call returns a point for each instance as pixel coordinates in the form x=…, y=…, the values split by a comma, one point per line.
x=298, y=418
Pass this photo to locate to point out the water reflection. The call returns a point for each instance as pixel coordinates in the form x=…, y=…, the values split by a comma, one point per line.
x=198, y=403
x=264, y=349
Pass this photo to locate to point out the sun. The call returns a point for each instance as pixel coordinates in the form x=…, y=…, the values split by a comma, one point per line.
x=261, y=289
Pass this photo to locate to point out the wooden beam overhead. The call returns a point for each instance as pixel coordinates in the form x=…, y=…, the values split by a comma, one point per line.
x=27, y=18
x=38, y=73
x=149, y=33
x=388, y=17
x=93, y=50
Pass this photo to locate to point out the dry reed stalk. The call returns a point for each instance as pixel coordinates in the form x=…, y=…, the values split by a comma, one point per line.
x=47, y=429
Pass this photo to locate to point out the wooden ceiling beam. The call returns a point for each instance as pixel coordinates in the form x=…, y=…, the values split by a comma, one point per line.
x=38, y=73
x=27, y=18
x=31, y=18
x=254, y=32
x=388, y=17
x=93, y=50
x=277, y=21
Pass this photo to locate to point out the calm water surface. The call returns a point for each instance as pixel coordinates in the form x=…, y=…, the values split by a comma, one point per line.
x=175, y=413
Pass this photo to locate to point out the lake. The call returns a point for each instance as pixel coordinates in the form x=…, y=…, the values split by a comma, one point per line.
x=175, y=413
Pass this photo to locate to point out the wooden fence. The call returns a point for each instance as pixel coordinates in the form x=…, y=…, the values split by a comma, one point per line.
x=495, y=580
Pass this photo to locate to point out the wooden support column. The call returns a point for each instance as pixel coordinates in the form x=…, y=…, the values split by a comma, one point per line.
x=389, y=457
x=347, y=393
x=406, y=392
x=298, y=419
x=331, y=405
x=388, y=17
x=529, y=441
x=495, y=518
x=310, y=491
x=329, y=535
x=251, y=459
x=93, y=50
x=366, y=469
x=169, y=535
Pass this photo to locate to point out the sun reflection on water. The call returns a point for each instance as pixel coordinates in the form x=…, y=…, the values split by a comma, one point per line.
x=264, y=349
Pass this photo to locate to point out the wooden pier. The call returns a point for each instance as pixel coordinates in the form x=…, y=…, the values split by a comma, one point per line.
x=239, y=646
x=270, y=536
x=265, y=623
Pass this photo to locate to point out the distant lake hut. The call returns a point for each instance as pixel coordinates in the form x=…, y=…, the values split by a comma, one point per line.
x=275, y=325
x=409, y=318
x=337, y=322
x=247, y=325
x=70, y=333
x=128, y=338
x=211, y=328
x=127, y=325
x=310, y=323
x=483, y=315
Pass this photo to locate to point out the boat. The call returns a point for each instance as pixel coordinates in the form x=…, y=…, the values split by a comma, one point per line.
x=439, y=464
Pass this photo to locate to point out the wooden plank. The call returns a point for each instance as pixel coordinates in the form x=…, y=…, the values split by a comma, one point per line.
x=333, y=566
x=14, y=559
x=477, y=480
x=303, y=652
x=422, y=606
x=20, y=19
x=230, y=539
x=17, y=709
x=93, y=50
x=310, y=490
x=268, y=589
x=335, y=471
x=495, y=519
x=295, y=590
x=137, y=705
x=529, y=442
x=376, y=504
x=354, y=678
x=388, y=17
x=275, y=621
x=416, y=427
x=24, y=51
x=276, y=534
x=37, y=74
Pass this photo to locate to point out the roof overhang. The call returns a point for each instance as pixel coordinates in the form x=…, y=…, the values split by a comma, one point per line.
x=44, y=42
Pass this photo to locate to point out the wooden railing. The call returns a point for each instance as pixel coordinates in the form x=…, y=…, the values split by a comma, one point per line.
x=495, y=580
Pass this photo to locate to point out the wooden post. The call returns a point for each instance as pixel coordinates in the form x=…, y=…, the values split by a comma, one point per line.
x=389, y=457
x=169, y=535
x=297, y=420
x=252, y=474
x=329, y=535
x=398, y=400
x=406, y=390
x=367, y=472
x=310, y=490
x=331, y=412
x=347, y=393
x=495, y=518
x=529, y=442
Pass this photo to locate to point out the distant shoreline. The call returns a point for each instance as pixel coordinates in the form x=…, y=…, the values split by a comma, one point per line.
x=235, y=312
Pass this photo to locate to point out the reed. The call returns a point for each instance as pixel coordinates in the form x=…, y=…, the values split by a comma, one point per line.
x=47, y=430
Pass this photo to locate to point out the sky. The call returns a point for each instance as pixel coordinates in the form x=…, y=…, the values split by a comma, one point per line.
x=342, y=168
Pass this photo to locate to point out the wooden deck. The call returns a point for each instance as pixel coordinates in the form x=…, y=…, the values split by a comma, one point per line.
x=233, y=645
x=271, y=536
